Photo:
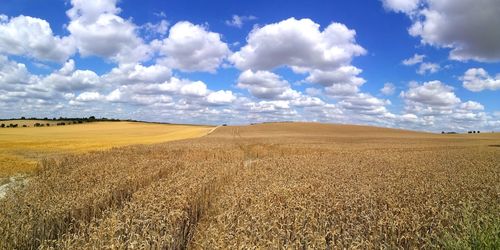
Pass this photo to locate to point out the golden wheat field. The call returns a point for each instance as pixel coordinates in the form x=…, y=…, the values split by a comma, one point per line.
x=21, y=148
x=266, y=186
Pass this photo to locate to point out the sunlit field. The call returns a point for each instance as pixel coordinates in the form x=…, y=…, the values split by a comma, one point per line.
x=265, y=186
x=21, y=148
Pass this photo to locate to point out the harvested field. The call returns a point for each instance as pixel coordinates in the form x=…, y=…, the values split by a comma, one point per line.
x=21, y=148
x=267, y=186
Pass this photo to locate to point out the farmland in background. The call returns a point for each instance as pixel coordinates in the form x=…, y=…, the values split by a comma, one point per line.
x=21, y=148
x=268, y=186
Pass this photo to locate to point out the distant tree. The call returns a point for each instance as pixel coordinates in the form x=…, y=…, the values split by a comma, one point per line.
x=45, y=118
x=54, y=119
x=91, y=117
x=478, y=132
x=442, y=132
x=23, y=118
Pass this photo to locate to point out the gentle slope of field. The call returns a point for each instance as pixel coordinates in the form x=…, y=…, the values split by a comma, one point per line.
x=21, y=148
x=267, y=186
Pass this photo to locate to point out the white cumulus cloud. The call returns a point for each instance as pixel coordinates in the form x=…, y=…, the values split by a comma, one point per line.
x=299, y=44
x=263, y=84
x=33, y=37
x=468, y=27
x=477, y=79
x=388, y=89
x=428, y=68
x=98, y=30
x=191, y=47
x=406, y=6
x=221, y=97
x=433, y=93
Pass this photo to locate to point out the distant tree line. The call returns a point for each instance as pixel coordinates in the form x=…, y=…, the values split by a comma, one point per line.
x=469, y=132
x=62, y=118
x=449, y=133
x=8, y=125
x=62, y=121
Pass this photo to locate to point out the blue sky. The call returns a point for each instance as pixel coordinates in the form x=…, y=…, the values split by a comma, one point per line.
x=239, y=62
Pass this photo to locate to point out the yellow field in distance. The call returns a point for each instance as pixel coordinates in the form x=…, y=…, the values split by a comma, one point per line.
x=31, y=123
x=21, y=148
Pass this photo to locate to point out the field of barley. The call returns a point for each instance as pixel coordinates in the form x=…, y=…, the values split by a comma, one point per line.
x=266, y=186
x=21, y=148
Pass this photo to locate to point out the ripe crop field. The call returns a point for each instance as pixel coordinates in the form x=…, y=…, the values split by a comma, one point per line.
x=21, y=148
x=266, y=186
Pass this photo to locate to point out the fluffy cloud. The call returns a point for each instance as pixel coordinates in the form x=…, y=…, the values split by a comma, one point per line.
x=365, y=104
x=325, y=55
x=89, y=96
x=12, y=73
x=95, y=29
x=33, y=37
x=98, y=30
x=434, y=106
x=428, y=68
x=194, y=89
x=299, y=44
x=137, y=73
x=471, y=105
x=425, y=67
x=468, y=27
x=416, y=59
x=263, y=84
x=477, y=79
x=190, y=47
x=152, y=29
x=115, y=96
x=388, y=89
x=221, y=97
x=341, y=90
x=347, y=75
x=433, y=93
x=89, y=12
x=237, y=21
x=68, y=79
x=405, y=6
